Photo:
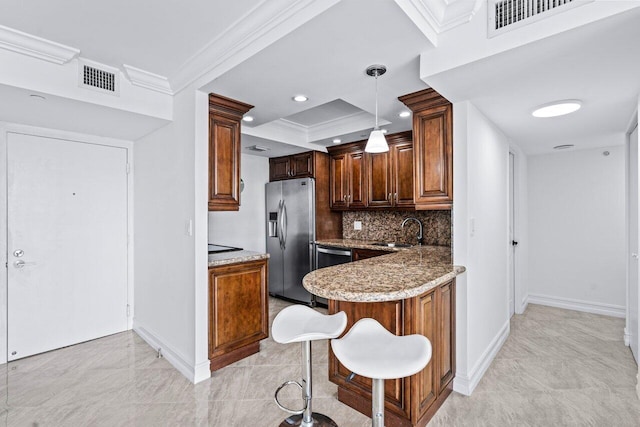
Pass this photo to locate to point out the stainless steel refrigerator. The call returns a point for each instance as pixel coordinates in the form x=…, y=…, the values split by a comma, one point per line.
x=290, y=236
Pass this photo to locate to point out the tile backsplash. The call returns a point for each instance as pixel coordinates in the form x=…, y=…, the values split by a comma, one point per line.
x=385, y=226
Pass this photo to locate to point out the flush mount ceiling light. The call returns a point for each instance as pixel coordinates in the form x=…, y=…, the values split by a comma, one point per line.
x=258, y=148
x=557, y=108
x=377, y=143
x=247, y=118
x=300, y=98
x=404, y=114
x=337, y=141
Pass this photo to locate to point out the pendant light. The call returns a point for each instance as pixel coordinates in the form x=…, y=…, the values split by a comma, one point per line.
x=377, y=143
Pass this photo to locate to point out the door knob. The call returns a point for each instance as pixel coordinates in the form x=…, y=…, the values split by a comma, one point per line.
x=19, y=264
x=634, y=255
x=18, y=253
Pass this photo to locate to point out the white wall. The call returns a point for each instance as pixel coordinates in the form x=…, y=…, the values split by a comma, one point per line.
x=577, y=229
x=245, y=228
x=480, y=242
x=170, y=275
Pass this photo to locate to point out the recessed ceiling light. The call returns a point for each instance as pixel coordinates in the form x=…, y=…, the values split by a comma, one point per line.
x=563, y=147
x=247, y=118
x=557, y=108
x=37, y=97
x=300, y=98
x=404, y=114
x=337, y=141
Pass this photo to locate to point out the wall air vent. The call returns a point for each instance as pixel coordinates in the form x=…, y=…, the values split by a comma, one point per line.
x=98, y=77
x=506, y=15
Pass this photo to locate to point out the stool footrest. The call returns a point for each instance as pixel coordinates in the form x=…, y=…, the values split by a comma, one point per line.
x=284, y=408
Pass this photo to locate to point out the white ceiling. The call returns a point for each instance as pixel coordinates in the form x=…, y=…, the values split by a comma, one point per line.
x=156, y=36
x=325, y=59
x=598, y=63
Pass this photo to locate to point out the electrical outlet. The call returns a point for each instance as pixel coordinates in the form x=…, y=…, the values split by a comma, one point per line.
x=357, y=225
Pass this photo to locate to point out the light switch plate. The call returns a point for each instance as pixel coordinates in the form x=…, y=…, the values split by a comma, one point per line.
x=357, y=225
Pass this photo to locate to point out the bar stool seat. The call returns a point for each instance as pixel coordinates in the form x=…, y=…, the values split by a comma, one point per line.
x=370, y=350
x=298, y=323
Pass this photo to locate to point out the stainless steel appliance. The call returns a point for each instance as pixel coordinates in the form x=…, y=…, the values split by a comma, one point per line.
x=290, y=236
x=327, y=256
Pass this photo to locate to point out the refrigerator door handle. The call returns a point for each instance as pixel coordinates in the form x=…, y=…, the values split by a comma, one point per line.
x=280, y=224
x=284, y=225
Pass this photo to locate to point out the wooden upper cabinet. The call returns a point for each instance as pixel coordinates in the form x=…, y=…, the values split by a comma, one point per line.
x=433, y=145
x=379, y=189
x=356, y=180
x=347, y=183
x=295, y=166
x=225, y=116
x=302, y=165
x=279, y=168
x=390, y=174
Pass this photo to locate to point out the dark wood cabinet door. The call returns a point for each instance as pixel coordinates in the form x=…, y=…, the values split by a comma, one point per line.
x=302, y=165
x=238, y=310
x=433, y=167
x=358, y=254
x=338, y=181
x=279, y=168
x=391, y=316
x=224, y=163
x=224, y=152
x=446, y=334
x=356, y=197
x=402, y=169
x=425, y=384
x=379, y=190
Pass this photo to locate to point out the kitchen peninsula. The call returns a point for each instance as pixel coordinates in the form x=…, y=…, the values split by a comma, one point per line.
x=408, y=291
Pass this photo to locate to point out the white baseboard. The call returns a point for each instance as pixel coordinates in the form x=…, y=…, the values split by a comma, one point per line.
x=627, y=337
x=465, y=384
x=578, y=305
x=194, y=374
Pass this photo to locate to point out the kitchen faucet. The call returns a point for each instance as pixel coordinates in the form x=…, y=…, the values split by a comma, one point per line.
x=419, y=223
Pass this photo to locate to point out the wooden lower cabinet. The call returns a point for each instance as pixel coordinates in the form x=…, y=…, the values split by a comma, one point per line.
x=408, y=401
x=238, y=311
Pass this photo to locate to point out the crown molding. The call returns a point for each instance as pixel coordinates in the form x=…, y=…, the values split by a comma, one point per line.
x=147, y=80
x=433, y=17
x=257, y=29
x=36, y=47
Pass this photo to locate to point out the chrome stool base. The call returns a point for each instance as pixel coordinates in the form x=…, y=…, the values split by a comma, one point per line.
x=319, y=420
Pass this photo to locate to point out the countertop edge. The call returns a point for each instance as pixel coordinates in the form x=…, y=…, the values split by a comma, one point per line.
x=228, y=258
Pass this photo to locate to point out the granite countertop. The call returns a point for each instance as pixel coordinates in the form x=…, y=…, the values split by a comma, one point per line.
x=404, y=273
x=235, y=257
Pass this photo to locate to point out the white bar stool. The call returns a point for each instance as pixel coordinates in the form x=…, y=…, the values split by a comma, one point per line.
x=369, y=350
x=298, y=323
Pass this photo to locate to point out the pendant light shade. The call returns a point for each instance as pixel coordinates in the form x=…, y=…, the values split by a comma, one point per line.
x=377, y=143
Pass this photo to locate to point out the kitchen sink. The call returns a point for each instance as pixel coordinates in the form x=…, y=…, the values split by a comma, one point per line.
x=392, y=244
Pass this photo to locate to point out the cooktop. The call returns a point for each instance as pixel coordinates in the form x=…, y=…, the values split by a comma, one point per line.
x=217, y=249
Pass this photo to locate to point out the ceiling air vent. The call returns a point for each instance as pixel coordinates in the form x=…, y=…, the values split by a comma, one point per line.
x=98, y=77
x=505, y=15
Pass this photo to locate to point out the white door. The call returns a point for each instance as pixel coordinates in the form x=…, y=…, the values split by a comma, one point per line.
x=67, y=243
x=512, y=240
x=633, y=243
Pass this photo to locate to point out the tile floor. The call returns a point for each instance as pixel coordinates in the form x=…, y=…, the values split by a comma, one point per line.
x=557, y=368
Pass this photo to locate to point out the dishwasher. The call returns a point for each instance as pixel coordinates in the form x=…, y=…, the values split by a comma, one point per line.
x=326, y=256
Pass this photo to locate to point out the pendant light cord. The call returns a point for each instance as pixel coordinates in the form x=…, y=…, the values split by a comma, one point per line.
x=376, y=99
